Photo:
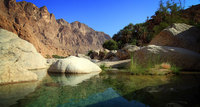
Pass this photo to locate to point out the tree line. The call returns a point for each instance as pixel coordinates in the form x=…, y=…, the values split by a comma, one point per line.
x=169, y=12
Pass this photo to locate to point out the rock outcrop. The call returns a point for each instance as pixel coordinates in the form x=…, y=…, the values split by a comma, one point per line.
x=74, y=64
x=183, y=58
x=114, y=55
x=115, y=64
x=179, y=35
x=111, y=56
x=126, y=51
x=17, y=58
x=48, y=35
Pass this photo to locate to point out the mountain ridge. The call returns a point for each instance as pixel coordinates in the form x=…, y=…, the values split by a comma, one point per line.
x=49, y=35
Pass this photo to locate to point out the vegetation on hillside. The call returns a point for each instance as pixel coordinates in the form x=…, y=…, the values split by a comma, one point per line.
x=110, y=44
x=169, y=12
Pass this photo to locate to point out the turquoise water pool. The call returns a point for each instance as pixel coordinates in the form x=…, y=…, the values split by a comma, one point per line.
x=105, y=90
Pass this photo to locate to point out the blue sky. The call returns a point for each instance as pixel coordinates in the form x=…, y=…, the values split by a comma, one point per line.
x=108, y=16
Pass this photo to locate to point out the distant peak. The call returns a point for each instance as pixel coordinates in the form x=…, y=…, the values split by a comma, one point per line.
x=76, y=22
x=62, y=21
x=43, y=8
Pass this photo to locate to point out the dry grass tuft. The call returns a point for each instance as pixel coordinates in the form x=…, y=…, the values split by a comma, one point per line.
x=166, y=65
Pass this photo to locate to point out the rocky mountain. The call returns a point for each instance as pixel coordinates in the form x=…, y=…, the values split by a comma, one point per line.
x=48, y=35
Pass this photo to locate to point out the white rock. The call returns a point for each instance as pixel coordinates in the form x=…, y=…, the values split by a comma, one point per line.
x=15, y=74
x=74, y=64
x=17, y=57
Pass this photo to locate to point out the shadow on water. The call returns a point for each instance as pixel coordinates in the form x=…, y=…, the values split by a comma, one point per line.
x=181, y=91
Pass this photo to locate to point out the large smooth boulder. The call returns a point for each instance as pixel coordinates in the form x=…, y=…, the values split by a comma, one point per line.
x=186, y=59
x=17, y=58
x=74, y=64
x=179, y=35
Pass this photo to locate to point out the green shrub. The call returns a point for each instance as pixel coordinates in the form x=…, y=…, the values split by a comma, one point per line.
x=89, y=52
x=134, y=42
x=169, y=12
x=48, y=56
x=152, y=66
x=111, y=45
x=136, y=68
x=104, y=68
x=58, y=57
x=157, y=29
x=175, y=69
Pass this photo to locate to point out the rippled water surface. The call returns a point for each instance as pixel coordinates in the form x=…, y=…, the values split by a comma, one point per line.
x=118, y=90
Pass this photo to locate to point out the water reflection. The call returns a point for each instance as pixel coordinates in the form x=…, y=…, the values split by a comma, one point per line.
x=72, y=79
x=181, y=91
x=103, y=90
x=108, y=98
x=9, y=94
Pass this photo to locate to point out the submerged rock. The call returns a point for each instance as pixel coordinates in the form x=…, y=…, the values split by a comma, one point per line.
x=74, y=64
x=17, y=58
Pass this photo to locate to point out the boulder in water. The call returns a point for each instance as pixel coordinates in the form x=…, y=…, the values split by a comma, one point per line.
x=74, y=64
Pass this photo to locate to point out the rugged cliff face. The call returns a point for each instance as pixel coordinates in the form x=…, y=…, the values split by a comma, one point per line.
x=48, y=35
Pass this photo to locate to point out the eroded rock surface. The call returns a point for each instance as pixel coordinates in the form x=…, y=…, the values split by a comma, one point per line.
x=48, y=35
x=184, y=58
x=179, y=35
x=17, y=58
